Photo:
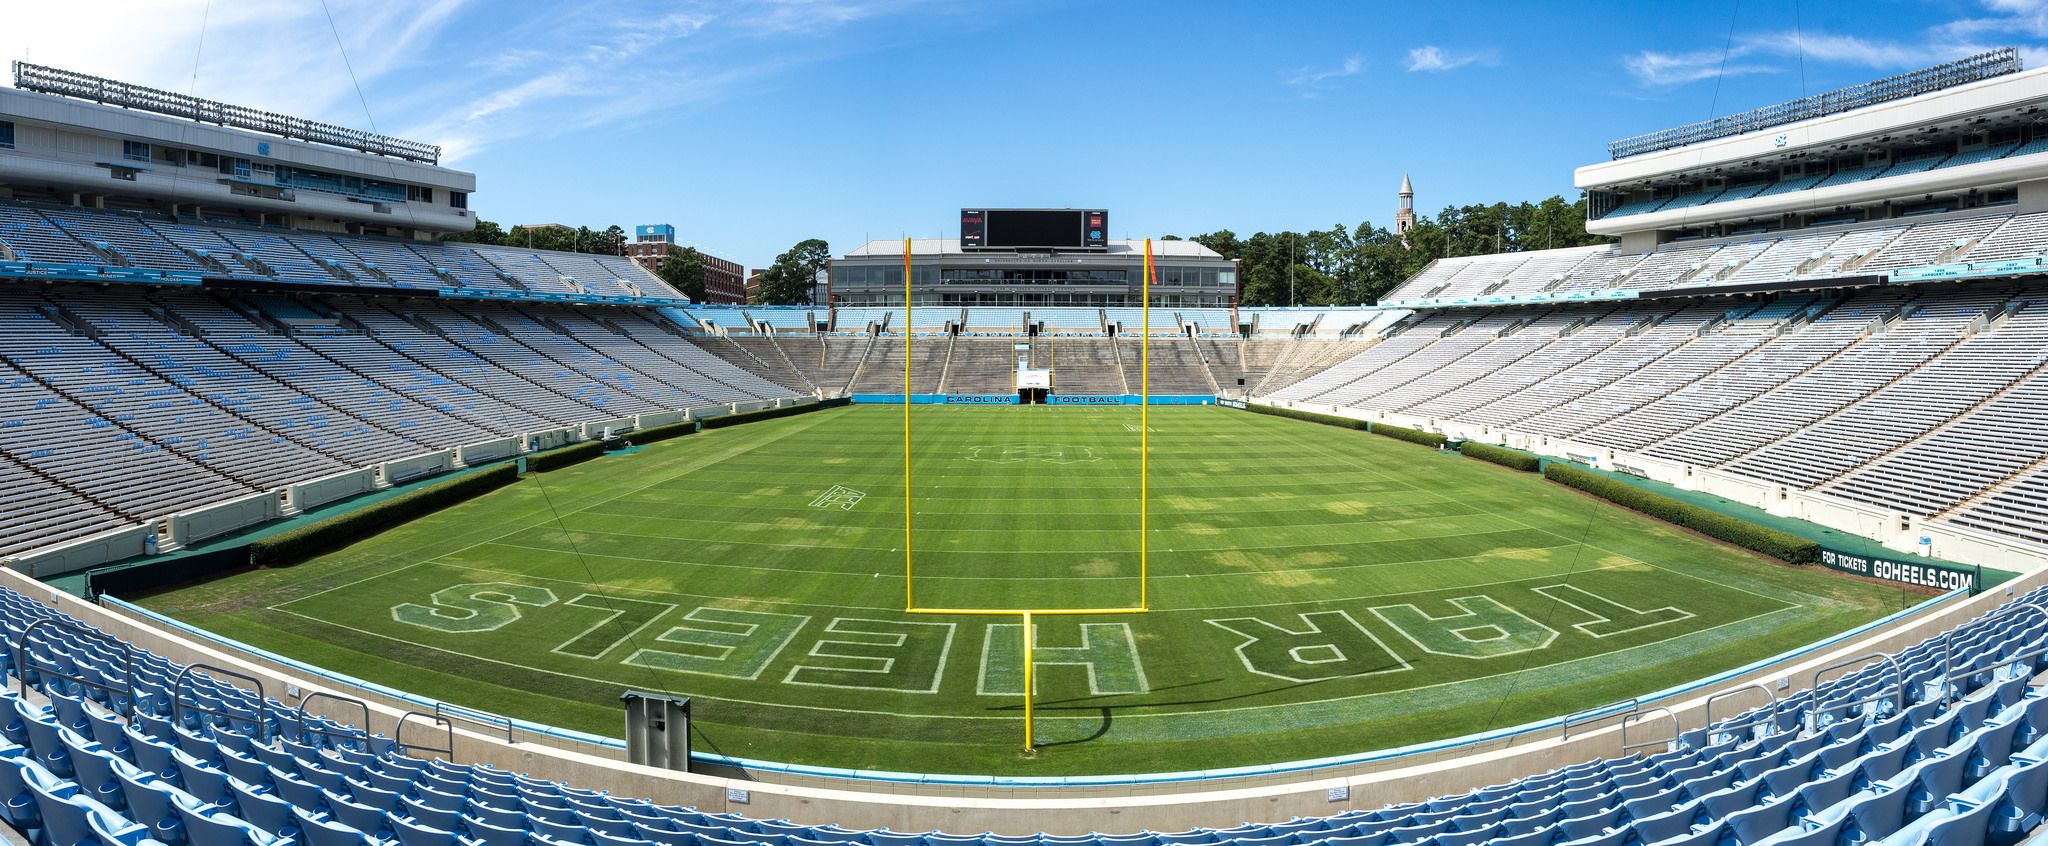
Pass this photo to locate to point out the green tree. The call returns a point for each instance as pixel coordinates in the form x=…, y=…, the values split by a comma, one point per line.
x=1223, y=241
x=792, y=277
x=486, y=232
x=683, y=270
x=1348, y=266
x=612, y=241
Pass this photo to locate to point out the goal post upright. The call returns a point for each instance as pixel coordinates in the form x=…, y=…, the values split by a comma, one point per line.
x=1030, y=743
x=909, y=596
x=1145, y=426
x=1025, y=615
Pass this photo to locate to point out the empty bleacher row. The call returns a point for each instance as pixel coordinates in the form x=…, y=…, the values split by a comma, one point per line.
x=1922, y=399
x=1943, y=742
x=1842, y=176
x=969, y=364
x=122, y=404
x=1018, y=320
x=1868, y=249
x=41, y=236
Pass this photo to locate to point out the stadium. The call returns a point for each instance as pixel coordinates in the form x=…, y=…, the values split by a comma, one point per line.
x=325, y=522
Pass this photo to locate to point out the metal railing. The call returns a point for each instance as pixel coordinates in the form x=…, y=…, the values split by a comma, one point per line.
x=329, y=727
x=486, y=719
x=1643, y=713
x=1898, y=692
x=178, y=706
x=1949, y=675
x=1709, y=707
x=1596, y=713
x=127, y=690
x=447, y=729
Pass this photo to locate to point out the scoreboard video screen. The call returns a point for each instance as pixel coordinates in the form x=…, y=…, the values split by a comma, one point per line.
x=1034, y=229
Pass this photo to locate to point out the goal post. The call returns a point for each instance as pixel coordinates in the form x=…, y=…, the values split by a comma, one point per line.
x=910, y=605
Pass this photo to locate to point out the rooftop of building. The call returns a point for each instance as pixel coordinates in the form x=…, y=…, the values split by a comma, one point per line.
x=940, y=247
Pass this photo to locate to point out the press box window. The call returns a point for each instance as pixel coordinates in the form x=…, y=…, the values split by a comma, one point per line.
x=7, y=134
x=135, y=151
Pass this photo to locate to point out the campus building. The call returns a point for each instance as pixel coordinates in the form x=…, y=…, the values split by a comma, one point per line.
x=986, y=268
x=724, y=280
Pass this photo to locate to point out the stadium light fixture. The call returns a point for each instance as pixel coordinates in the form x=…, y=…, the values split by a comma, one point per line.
x=1926, y=80
x=49, y=80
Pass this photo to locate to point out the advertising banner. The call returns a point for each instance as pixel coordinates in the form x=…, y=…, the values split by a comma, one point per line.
x=1937, y=576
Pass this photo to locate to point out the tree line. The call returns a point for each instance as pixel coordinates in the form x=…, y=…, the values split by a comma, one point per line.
x=610, y=241
x=1358, y=264
x=1342, y=265
x=682, y=268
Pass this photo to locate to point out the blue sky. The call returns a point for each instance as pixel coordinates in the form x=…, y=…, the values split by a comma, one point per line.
x=751, y=126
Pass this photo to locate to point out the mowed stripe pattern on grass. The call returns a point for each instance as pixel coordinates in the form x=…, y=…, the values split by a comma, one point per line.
x=1314, y=590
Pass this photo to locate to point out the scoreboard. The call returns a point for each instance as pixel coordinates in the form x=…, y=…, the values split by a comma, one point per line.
x=1034, y=229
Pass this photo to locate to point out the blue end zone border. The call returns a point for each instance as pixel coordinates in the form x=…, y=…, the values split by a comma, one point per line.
x=1468, y=741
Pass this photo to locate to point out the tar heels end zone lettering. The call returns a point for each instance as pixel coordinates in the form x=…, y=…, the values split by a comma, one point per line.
x=900, y=656
x=1922, y=575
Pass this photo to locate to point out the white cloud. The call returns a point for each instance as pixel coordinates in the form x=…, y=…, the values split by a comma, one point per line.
x=1313, y=79
x=1430, y=57
x=2006, y=22
x=1853, y=50
x=461, y=73
x=277, y=56
x=2007, y=17
x=1661, y=69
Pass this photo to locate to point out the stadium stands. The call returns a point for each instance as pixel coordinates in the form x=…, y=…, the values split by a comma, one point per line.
x=131, y=404
x=92, y=240
x=1070, y=321
x=1841, y=176
x=1862, y=249
x=1905, y=399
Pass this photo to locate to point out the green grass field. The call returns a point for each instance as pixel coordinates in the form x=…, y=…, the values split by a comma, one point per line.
x=1314, y=591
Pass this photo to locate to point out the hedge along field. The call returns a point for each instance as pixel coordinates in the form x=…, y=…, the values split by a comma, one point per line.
x=1706, y=521
x=1315, y=590
x=295, y=545
x=1503, y=456
x=560, y=457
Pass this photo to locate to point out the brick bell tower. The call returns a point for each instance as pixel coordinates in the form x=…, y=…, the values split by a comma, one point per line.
x=1404, y=217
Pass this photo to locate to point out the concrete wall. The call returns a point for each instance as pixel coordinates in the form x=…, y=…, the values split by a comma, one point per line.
x=306, y=496
x=595, y=428
x=402, y=470
x=482, y=451
x=201, y=523
x=89, y=551
x=657, y=418
x=551, y=438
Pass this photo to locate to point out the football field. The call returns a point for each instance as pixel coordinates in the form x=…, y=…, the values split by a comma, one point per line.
x=1313, y=591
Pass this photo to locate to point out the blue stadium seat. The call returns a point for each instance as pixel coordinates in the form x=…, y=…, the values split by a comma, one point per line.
x=263, y=809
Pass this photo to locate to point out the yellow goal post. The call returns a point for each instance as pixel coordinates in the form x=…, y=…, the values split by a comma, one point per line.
x=910, y=605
